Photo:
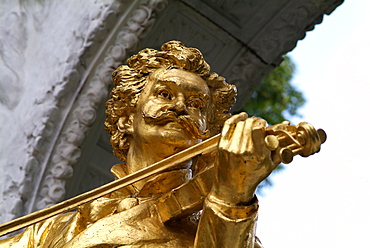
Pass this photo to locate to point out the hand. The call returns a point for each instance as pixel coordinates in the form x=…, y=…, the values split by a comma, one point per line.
x=244, y=160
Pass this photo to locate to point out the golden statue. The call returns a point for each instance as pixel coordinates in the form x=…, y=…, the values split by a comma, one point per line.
x=164, y=103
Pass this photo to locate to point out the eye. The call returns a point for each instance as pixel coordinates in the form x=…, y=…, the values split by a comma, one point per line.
x=165, y=94
x=196, y=103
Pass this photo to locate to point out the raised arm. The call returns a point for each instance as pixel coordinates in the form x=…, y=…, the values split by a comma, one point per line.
x=230, y=210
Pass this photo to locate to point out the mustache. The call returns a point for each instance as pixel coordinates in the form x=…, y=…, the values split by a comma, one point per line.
x=163, y=117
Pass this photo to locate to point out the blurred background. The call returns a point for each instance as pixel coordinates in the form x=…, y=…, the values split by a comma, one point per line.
x=324, y=200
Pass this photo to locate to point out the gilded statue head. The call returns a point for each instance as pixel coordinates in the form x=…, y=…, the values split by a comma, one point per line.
x=174, y=59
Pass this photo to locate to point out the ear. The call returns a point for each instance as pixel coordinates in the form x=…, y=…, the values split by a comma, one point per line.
x=125, y=124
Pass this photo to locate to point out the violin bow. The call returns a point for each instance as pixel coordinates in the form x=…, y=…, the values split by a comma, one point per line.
x=283, y=139
x=70, y=204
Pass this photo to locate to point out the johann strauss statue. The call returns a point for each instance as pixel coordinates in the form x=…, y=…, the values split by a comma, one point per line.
x=164, y=102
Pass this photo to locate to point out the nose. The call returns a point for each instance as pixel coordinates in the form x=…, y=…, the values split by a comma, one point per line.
x=180, y=105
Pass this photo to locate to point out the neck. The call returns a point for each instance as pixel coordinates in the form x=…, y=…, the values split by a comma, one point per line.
x=143, y=154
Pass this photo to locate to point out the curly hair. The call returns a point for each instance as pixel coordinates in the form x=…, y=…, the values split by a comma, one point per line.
x=130, y=80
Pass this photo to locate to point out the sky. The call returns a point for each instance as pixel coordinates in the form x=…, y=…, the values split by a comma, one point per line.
x=324, y=200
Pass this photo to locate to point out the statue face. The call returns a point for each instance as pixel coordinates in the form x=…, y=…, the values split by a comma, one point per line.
x=172, y=100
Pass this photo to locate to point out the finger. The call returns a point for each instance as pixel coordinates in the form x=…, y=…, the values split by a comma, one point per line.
x=249, y=143
x=229, y=127
x=236, y=138
x=258, y=129
x=258, y=137
x=259, y=122
x=246, y=143
x=236, y=118
x=275, y=159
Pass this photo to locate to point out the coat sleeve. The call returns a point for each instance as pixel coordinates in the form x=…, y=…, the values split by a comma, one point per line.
x=56, y=231
x=40, y=234
x=224, y=225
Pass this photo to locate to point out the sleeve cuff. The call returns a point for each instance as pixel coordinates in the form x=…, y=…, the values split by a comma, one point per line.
x=231, y=211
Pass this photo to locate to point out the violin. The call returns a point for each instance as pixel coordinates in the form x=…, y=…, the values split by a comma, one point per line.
x=283, y=139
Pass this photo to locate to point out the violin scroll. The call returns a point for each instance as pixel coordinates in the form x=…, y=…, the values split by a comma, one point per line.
x=287, y=140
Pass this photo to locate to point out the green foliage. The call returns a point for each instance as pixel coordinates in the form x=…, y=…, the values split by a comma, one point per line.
x=276, y=100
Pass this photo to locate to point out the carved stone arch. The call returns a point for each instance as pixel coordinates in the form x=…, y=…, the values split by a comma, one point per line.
x=242, y=40
x=130, y=26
